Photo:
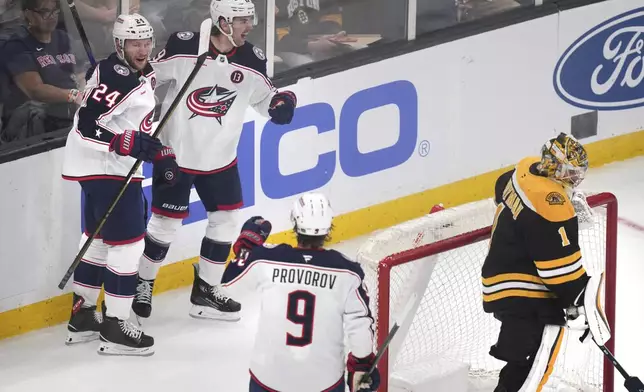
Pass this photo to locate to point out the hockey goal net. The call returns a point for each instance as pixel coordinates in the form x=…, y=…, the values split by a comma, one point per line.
x=432, y=265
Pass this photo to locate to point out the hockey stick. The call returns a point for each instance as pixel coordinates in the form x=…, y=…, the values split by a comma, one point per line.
x=204, y=42
x=632, y=384
x=81, y=31
x=392, y=333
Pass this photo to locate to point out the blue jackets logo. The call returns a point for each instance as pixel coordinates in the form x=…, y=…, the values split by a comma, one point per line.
x=604, y=68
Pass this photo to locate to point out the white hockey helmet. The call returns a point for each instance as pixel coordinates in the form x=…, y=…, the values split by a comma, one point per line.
x=230, y=9
x=312, y=214
x=133, y=26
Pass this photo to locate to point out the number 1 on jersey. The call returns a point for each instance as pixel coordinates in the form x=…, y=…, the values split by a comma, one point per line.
x=301, y=314
x=564, y=236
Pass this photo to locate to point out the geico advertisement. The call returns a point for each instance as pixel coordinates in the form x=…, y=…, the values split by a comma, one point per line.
x=277, y=162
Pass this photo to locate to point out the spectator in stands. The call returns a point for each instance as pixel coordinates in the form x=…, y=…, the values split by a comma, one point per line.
x=10, y=18
x=98, y=18
x=41, y=69
x=309, y=31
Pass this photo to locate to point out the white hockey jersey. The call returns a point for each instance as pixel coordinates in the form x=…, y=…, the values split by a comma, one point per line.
x=310, y=299
x=115, y=99
x=205, y=128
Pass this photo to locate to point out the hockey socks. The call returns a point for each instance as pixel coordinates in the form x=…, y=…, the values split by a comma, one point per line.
x=153, y=256
x=212, y=260
x=121, y=278
x=88, y=276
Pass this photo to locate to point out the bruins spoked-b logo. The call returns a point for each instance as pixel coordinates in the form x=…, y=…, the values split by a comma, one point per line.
x=212, y=101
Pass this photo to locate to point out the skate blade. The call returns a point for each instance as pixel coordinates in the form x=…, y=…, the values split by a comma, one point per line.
x=81, y=337
x=108, y=348
x=208, y=313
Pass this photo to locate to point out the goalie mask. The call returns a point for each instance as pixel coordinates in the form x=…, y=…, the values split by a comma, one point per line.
x=132, y=27
x=312, y=215
x=228, y=10
x=564, y=160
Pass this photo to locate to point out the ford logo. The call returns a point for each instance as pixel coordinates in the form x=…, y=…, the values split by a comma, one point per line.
x=604, y=68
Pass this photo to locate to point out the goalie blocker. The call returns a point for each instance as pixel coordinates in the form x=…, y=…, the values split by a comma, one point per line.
x=534, y=269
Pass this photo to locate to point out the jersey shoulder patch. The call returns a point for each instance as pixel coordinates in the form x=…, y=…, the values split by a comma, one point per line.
x=183, y=42
x=259, y=53
x=251, y=56
x=116, y=76
x=542, y=195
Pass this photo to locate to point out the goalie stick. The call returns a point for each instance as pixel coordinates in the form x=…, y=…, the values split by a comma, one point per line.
x=632, y=384
x=81, y=31
x=204, y=43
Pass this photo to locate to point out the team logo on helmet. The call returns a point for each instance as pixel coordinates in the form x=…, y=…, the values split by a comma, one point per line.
x=146, y=124
x=121, y=70
x=211, y=102
x=185, y=35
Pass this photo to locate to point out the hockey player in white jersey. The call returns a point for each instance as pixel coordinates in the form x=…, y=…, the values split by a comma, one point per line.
x=311, y=297
x=205, y=132
x=111, y=130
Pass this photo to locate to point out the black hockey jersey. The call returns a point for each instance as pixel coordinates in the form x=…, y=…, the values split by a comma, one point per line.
x=205, y=128
x=534, y=264
x=307, y=296
x=116, y=99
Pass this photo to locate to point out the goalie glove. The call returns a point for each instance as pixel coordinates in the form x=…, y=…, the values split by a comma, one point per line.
x=585, y=215
x=357, y=368
x=596, y=321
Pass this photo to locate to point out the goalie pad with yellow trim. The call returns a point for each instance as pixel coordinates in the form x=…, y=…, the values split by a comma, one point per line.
x=552, y=342
x=593, y=308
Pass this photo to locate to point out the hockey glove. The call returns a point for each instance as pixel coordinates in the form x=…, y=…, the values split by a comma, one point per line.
x=357, y=368
x=138, y=145
x=166, y=170
x=253, y=233
x=282, y=107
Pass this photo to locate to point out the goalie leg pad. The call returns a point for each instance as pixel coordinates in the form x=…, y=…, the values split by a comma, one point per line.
x=597, y=321
x=552, y=341
x=215, y=246
x=121, y=278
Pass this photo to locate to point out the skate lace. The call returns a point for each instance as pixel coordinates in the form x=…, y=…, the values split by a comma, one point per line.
x=130, y=329
x=144, y=292
x=217, y=292
x=98, y=317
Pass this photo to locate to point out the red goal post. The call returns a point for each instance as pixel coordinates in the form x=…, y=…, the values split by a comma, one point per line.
x=602, y=241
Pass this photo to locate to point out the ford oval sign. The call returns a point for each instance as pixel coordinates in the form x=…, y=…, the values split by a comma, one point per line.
x=604, y=68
